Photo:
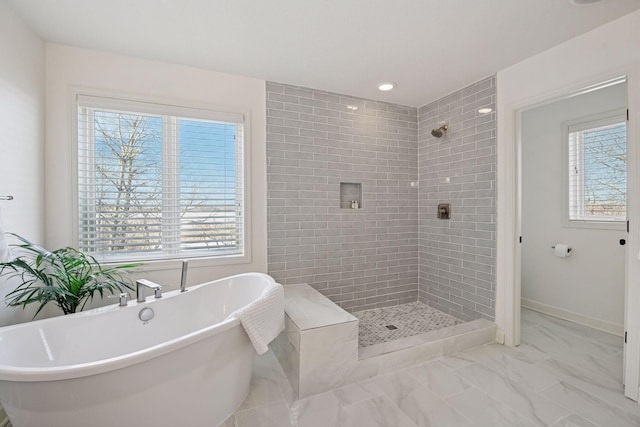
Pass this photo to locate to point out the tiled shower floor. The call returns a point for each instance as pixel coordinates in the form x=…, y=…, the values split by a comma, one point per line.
x=377, y=325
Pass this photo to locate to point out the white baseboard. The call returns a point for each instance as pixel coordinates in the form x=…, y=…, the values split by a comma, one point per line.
x=581, y=319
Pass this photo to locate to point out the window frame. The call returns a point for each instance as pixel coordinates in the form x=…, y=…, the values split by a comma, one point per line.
x=587, y=122
x=181, y=108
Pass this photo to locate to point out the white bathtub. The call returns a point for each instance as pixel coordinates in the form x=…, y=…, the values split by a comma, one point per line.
x=188, y=366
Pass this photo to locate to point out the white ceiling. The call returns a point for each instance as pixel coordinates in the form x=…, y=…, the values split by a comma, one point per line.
x=429, y=47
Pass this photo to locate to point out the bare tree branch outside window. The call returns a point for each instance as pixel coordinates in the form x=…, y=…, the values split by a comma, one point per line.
x=129, y=171
x=159, y=184
x=598, y=173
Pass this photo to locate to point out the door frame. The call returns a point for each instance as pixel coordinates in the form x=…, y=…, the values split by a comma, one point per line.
x=508, y=208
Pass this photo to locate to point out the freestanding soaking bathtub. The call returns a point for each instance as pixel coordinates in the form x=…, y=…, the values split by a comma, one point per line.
x=189, y=365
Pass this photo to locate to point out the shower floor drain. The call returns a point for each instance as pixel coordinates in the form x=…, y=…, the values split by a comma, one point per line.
x=391, y=327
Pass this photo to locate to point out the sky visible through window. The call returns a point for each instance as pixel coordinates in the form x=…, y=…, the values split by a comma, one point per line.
x=605, y=183
x=153, y=188
x=211, y=148
x=207, y=153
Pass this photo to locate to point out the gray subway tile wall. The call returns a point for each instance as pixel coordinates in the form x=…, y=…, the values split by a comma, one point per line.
x=458, y=256
x=393, y=250
x=360, y=259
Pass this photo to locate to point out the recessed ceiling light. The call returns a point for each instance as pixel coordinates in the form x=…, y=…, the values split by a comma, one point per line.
x=485, y=110
x=385, y=86
x=352, y=107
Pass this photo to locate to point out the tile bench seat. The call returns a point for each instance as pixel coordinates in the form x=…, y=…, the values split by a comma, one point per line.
x=318, y=349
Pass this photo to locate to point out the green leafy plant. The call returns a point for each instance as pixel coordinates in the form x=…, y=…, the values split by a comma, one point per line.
x=66, y=276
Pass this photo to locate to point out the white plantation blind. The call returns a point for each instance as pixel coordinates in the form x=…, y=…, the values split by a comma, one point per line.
x=597, y=170
x=157, y=181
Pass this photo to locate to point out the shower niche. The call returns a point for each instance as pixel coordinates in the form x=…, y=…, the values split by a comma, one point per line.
x=351, y=195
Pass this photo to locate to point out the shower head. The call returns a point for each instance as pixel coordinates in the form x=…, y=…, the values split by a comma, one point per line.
x=439, y=132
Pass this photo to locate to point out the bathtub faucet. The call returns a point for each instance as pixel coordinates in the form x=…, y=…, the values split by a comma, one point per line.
x=141, y=289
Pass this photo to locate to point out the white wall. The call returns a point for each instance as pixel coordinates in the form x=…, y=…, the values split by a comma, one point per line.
x=590, y=283
x=607, y=51
x=21, y=138
x=68, y=67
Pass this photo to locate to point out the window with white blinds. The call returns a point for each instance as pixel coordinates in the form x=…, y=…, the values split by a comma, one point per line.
x=597, y=170
x=158, y=181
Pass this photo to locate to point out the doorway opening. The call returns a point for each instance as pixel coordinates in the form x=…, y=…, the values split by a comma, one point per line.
x=573, y=252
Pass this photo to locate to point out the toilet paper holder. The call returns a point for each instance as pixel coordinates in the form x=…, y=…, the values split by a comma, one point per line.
x=568, y=250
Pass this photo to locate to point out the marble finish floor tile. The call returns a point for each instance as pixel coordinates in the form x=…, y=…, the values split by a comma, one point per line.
x=514, y=369
x=271, y=415
x=611, y=367
x=524, y=353
x=487, y=386
x=565, y=346
x=574, y=421
x=230, y=422
x=457, y=360
x=264, y=387
x=322, y=410
x=529, y=404
x=606, y=390
x=438, y=378
x=560, y=326
x=420, y=404
x=408, y=320
x=281, y=379
x=590, y=407
x=357, y=392
x=606, y=369
x=376, y=412
x=485, y=411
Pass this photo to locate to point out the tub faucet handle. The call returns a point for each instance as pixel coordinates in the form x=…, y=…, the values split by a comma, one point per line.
x=123, y=299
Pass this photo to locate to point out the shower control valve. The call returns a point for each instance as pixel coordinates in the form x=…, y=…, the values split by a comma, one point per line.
x=444, y=211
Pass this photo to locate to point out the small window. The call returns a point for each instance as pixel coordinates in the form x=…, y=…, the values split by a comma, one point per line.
x=158, y=181
x=597, y=170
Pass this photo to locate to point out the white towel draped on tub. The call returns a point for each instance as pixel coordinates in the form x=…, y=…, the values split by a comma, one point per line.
x=263, y=319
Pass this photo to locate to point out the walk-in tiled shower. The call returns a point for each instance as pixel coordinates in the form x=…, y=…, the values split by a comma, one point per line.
x=390, y=260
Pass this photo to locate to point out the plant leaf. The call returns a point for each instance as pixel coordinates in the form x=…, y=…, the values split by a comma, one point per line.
x=66, y=276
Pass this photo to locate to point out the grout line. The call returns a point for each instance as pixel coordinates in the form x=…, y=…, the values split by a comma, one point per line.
x=261, y=406
x=512, y=409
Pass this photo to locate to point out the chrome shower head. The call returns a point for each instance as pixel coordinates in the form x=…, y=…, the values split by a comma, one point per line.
x=439, y=132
